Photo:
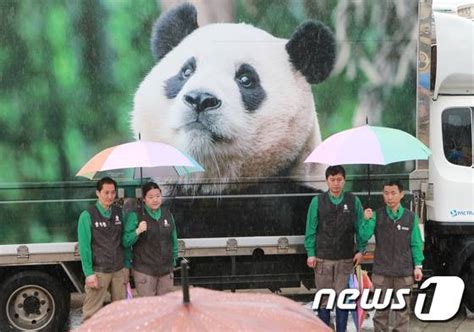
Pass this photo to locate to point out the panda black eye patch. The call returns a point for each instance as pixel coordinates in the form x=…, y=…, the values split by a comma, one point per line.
x=174, y=84
x=251, y=91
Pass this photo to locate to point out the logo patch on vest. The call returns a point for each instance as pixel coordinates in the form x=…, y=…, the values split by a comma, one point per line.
x=166, y=223
x=117, y=220
x=345, y=209
x=402, y=228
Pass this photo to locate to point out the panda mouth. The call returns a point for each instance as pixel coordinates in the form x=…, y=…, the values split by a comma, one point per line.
x=198, y=125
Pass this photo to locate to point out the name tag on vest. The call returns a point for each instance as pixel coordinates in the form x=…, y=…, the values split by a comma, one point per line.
x=98, y=224
x=402, y=228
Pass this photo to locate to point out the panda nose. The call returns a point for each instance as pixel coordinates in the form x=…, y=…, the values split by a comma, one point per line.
x=201, y=101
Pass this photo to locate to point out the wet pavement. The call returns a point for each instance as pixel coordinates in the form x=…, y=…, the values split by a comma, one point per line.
x=461, y=323
x=76, y=311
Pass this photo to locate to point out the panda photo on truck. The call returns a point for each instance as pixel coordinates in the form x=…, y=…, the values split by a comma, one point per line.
x=215, y=94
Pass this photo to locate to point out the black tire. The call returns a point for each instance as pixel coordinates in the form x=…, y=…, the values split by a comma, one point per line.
x=468, y=277
x=33, y=301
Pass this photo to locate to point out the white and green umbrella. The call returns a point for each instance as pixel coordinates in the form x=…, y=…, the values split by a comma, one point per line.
x=369, y=145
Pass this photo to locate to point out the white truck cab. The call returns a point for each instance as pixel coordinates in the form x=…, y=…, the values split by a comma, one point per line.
x=449, y=189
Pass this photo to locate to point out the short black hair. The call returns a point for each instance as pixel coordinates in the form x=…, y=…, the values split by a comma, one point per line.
x=149, y=186
x=394, y=183
x=334, y=170
x=105, y=180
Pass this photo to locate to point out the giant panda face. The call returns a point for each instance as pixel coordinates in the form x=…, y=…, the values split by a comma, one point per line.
x=226, y=90
x=234, y=97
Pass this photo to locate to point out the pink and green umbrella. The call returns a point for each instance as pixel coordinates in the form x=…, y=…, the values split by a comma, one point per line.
x=140, y=154
x=369, y=145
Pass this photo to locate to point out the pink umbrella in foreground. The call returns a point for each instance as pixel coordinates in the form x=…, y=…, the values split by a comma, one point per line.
x=209, y=310
x=200, y=310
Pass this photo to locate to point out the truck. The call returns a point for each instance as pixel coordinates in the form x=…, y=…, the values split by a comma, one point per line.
x=255, y=239
x=445, y=193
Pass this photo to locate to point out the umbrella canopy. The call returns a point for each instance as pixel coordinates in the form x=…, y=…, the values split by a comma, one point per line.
x=140, y=154
x=369, y=145
x=208, y=310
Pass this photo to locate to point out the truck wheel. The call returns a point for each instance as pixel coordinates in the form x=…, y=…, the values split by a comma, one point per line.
x=468, y=277
x=32, y=301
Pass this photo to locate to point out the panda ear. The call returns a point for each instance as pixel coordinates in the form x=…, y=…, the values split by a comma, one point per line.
x=312, y=51
x=171, y=28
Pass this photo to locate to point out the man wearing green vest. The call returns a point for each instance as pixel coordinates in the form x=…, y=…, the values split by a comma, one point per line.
x=398, y=252
x=105, y=262
x=331, y=225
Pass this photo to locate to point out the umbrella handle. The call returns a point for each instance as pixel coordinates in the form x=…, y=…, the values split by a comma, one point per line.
x=368, y=184
x=185, y=281
x=368, y=166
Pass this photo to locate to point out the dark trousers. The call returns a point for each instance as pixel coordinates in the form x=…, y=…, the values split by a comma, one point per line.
x=341, y=318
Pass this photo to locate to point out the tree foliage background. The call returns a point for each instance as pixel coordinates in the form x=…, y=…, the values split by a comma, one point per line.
x=69, y=69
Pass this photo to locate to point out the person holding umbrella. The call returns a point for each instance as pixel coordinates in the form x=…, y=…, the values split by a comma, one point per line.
x=398, y=251
x=332, y=222
x=154, y=242
x=105, y=262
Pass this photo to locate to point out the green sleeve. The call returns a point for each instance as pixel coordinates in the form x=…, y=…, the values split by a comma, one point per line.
x=174, y=241
x=361, y=242
x=127, y=252
x=366, y=228
x=311, y=226
x=127, y=257
x=129, y=237
x=84, y=237
x=416, y=244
